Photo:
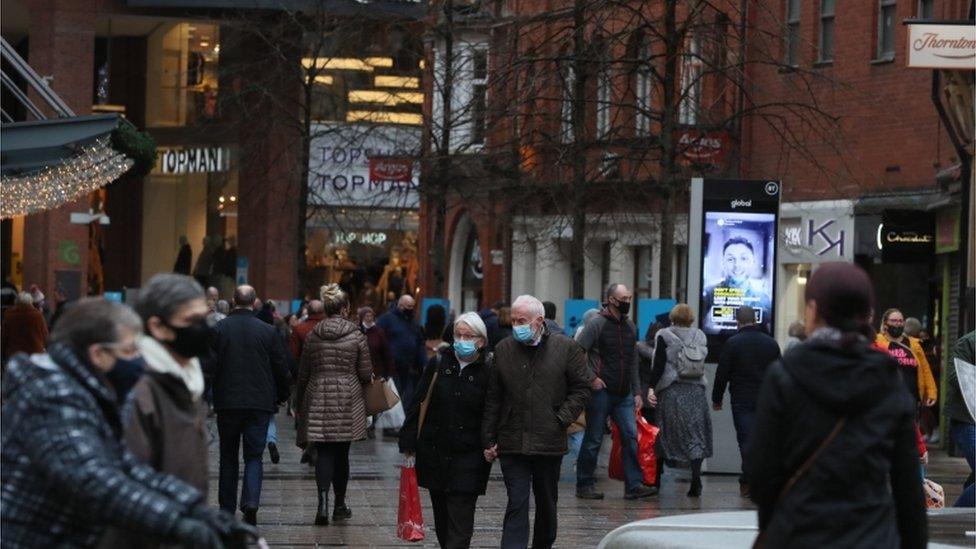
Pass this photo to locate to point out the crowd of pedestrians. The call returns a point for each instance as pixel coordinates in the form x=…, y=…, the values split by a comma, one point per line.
x=104, y=419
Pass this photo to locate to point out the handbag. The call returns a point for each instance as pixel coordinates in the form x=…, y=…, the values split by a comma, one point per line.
x=425, y=404
x=803, y=469
x=379, y=397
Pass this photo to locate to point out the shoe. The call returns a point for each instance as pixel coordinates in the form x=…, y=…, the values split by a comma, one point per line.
x=305, y=457
x=588, y=493
x=250, y=516
x=744, y=489
x=696, y=488
x=641, y=492
x=322, y=514
x=273, y=452
x=341, y=512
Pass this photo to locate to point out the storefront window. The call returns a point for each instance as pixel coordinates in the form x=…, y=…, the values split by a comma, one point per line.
x=182, y=74
x=371, y=254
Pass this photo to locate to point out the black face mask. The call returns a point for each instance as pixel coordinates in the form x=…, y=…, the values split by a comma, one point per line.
x=191, y=341
x=407, y=313
x=896, y=331
x=124, y=375
x=623, y=307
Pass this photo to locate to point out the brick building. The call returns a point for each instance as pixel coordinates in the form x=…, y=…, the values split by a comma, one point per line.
x=817, y=96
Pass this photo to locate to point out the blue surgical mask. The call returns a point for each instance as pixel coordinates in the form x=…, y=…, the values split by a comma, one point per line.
x=124, y=375
x=523, y=333
x=465, y=349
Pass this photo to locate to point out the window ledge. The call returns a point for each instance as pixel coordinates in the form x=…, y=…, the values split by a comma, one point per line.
x=784, y=69
x=823, y=64
x=883, y=60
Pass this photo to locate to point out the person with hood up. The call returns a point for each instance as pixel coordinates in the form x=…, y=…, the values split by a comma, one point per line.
x=66, y=474
x=165, y=420
x=334, y=367
x=833, y=460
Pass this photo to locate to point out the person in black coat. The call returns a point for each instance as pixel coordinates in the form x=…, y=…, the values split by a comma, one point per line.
x=741, y=367
x=184, y=259
x=449, y=459
x=833, y=460
x=66, y=473
x=250, y=380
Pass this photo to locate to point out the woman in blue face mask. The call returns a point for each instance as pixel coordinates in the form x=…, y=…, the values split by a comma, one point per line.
x=443, y=429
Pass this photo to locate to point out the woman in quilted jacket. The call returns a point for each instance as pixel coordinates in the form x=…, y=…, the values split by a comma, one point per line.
x=335, y=364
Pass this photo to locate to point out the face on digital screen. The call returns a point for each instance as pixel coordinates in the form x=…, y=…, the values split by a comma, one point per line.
x=738, y=260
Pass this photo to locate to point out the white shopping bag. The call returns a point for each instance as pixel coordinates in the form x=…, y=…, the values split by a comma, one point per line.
x=392, y=418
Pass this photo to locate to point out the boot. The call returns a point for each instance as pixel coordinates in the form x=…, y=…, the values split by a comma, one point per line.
x=322, y=515
x=696, y=487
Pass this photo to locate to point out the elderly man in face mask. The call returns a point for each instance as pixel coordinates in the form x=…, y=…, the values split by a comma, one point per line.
x=538, y=387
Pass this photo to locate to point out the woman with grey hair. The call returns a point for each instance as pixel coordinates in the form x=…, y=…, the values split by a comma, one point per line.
x=590, y=313
x=443, y=428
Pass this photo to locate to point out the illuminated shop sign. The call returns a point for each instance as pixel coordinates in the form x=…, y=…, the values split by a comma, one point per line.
x=191, y=160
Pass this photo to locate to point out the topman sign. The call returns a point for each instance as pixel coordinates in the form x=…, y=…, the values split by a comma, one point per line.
x=942, y=46
x=192, y=160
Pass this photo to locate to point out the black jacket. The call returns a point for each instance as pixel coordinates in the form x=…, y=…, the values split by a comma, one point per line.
x=250, y=368
x=864, y=489
x=742, y=365
x=66, y=475
x=611, y=350
x=450, y=457
x=535, y=393
x=495, y=333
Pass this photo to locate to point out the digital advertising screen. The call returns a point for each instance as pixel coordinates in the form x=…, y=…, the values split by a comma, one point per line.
x=738, y=263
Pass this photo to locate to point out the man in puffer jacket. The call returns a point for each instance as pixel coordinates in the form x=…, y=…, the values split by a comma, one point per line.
x=66, y=474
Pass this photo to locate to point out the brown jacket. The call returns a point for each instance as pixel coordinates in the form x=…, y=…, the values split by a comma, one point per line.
x=24, y=331
x=534, y=395
x=335, y=364
x=165, y=429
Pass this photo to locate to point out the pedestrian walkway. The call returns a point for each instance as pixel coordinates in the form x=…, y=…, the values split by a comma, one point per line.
x=288, y=499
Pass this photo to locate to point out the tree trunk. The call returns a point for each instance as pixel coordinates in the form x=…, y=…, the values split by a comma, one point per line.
x=577, y=251
x=436, y=193
x=669, y=172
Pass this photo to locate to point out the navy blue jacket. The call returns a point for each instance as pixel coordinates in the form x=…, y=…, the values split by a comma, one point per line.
x=406, y=342
x=742, y=365
x=251, y=367
x=611, y=347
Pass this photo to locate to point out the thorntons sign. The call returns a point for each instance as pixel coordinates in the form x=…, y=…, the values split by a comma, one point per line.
x=935, y=46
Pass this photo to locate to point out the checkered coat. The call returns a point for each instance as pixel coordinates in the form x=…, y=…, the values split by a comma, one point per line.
x=65, y=474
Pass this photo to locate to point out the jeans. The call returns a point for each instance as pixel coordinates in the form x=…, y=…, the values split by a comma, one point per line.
x=744, y=418
x=541, y=475
x=251, y=426
x=963, y=435
x=406, y=384
x=621, y=410
x=272, y=431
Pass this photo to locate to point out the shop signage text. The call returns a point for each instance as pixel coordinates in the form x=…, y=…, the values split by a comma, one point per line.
x=697, y=147
x=816, y=232
x=933, y=46
x=195, y=160
x=372, y=239
x=906, y=236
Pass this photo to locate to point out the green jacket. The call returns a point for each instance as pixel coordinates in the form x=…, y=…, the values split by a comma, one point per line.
x=955, y=405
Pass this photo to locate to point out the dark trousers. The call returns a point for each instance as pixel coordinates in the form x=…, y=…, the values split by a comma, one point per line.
x=405, y=383
x=744, y=418
x=233, y=426
x=541, y=475
x=453, y=518
x=332, y=467
x=621, y=410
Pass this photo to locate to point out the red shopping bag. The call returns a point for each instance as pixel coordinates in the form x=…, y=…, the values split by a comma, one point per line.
x=410, y=522
x=646, y=437
x=615, y=469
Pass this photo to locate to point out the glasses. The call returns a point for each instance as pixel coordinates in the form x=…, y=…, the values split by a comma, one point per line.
x=466, y=337
x=128, y=351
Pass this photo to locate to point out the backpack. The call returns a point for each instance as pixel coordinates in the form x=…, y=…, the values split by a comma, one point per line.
x=690, y=358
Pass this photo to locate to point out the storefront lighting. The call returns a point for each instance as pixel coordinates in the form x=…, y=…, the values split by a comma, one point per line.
x=217, y=48
x=801, y=279
x=221, y=199
x=346, y=63
x=385, y=98
x=233, y=198
x=92, y=167
x=387, y=81
x=385, y=117
x=324, y=79
x=385, y=62
x=880, y=227
x=204, y=44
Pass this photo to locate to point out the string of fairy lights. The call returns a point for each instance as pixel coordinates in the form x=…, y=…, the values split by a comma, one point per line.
x=94, y=166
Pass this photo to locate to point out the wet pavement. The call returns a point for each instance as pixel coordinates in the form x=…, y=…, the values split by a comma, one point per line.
x=288, y=500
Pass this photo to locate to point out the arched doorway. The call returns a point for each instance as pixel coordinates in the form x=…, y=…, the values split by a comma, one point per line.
x=466, y=287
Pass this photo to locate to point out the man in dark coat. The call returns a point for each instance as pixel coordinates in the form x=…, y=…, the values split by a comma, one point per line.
x=184, y=258
x=407, y=345
x=610, y=341
x=490, y=316
x=66, y=474
x=538, y=386
x=742, y=366
x=250, y=380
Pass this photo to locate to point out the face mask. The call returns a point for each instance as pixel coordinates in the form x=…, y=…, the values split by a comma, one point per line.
x=368, y=325
x=124, y=375
x=896, y=331
x=623, y=307
x=523, y=333
x=191, y=341
x=407, y=313
x=465, y=349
